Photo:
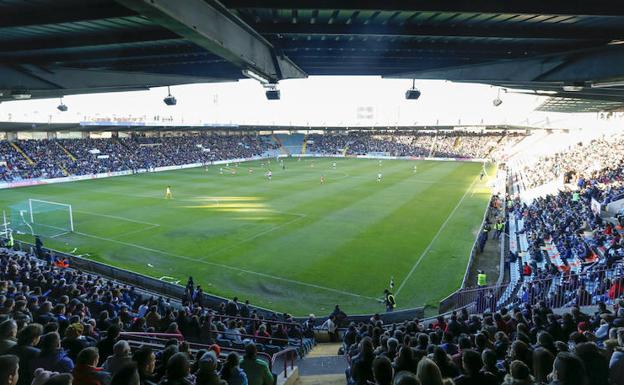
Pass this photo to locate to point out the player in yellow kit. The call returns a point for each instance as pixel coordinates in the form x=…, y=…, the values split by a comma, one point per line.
x=168, y=193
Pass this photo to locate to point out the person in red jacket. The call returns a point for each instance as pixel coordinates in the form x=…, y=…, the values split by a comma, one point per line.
x=616, y=289
x=526, y=269
x=86, y=371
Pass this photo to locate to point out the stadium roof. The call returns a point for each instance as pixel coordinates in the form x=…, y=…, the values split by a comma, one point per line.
x=136, y=127
x=557, y=104
x=54, y=47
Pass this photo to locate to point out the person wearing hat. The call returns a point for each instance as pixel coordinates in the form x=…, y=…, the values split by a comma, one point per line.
x=73, y=342
x=520, y=374
x=257, y=370
x=207, y=372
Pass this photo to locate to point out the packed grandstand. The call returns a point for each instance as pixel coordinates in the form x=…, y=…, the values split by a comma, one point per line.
x=558, y=318
x=52, y=158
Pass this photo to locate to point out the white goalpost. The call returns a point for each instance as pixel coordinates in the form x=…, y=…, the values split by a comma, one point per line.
x=41, y=217
x=62, y=206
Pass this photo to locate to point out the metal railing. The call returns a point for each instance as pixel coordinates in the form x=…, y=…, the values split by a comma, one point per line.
x=288, y=354
x=557, y=291
x=160, y=339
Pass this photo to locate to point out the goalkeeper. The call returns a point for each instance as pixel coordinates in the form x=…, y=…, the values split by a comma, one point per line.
x=168, y=193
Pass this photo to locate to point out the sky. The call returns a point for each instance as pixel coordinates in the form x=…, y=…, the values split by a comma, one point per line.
x=315, y=101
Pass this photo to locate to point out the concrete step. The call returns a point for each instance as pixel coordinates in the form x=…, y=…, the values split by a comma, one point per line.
x=325, y=350
x=324, y=379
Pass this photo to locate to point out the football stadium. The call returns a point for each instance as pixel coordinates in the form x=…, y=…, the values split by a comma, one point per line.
x=254, y=192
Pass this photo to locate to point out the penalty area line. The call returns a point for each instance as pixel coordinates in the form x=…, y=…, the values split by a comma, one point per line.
x=116, y=217
x=264, y=275
x=435, y=238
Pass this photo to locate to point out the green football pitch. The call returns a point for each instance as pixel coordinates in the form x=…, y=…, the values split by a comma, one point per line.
x=290, y=244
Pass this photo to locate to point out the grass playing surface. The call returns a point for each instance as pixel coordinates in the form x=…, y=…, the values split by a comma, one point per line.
x=290, y=244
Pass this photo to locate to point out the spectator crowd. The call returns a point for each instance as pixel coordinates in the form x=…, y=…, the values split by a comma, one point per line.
x=59, y=325
x=53, y=158
x=443, y=144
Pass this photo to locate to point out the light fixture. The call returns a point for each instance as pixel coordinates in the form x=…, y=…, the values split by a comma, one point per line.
x=412, y=93
x=573, y=88
x=614, y=83
x=170, y=100
x=62, y=107
x=21, y=94
x=272, y=93
x=497, y=100
x=255, y=76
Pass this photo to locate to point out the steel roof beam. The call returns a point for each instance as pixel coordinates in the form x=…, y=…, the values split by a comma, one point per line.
x=500, y=31
x=593, y=65
x=531, y=7
x=212, y=27
x=76, y=13
x=89, y=40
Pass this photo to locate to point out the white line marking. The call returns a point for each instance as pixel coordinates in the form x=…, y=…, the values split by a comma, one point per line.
x=435, y=237
x=137, y=231
x=226, y=266
x=116, y=217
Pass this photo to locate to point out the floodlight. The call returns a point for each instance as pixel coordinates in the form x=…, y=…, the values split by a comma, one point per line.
x=272, y=93
x=412, y=93
x=497, y=100
x=62, y=107
x=170, y=100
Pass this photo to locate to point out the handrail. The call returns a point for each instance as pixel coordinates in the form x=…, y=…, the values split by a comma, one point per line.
x=251, y=336
x=197, y=345
x=263, y=355
x=290, y=353
x=156, y=335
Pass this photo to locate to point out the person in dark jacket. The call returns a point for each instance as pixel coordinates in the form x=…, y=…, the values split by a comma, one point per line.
x=9, y=369
x=52, y=357
x=74, y=342
x=361, y=372
x=146, y=363
x=471, y=361
x=26, y=351
x=8, y=334
x=105, y=346
x=207, y=373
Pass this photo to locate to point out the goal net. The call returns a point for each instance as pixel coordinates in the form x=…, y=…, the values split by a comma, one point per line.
x=39, y=217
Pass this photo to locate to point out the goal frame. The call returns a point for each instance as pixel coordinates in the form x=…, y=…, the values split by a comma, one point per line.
x=32, y=217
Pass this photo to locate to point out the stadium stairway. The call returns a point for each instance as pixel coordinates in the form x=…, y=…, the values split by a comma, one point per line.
x=66, y=151
x=292, y=144
x=283, y=149
x=322, y=365
x=304, y=146
x=19, y=150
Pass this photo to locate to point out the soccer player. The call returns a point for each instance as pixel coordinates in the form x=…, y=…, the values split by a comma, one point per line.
x=250, y=170
x=221, y=170
x=322, y=179
x=269, y=175
x=482, y=175
x=389, y=300
x=168, y=194
x=379, y=176
x=379, y=162
x=312, y=163
x=334, y=165
x=415, y=169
